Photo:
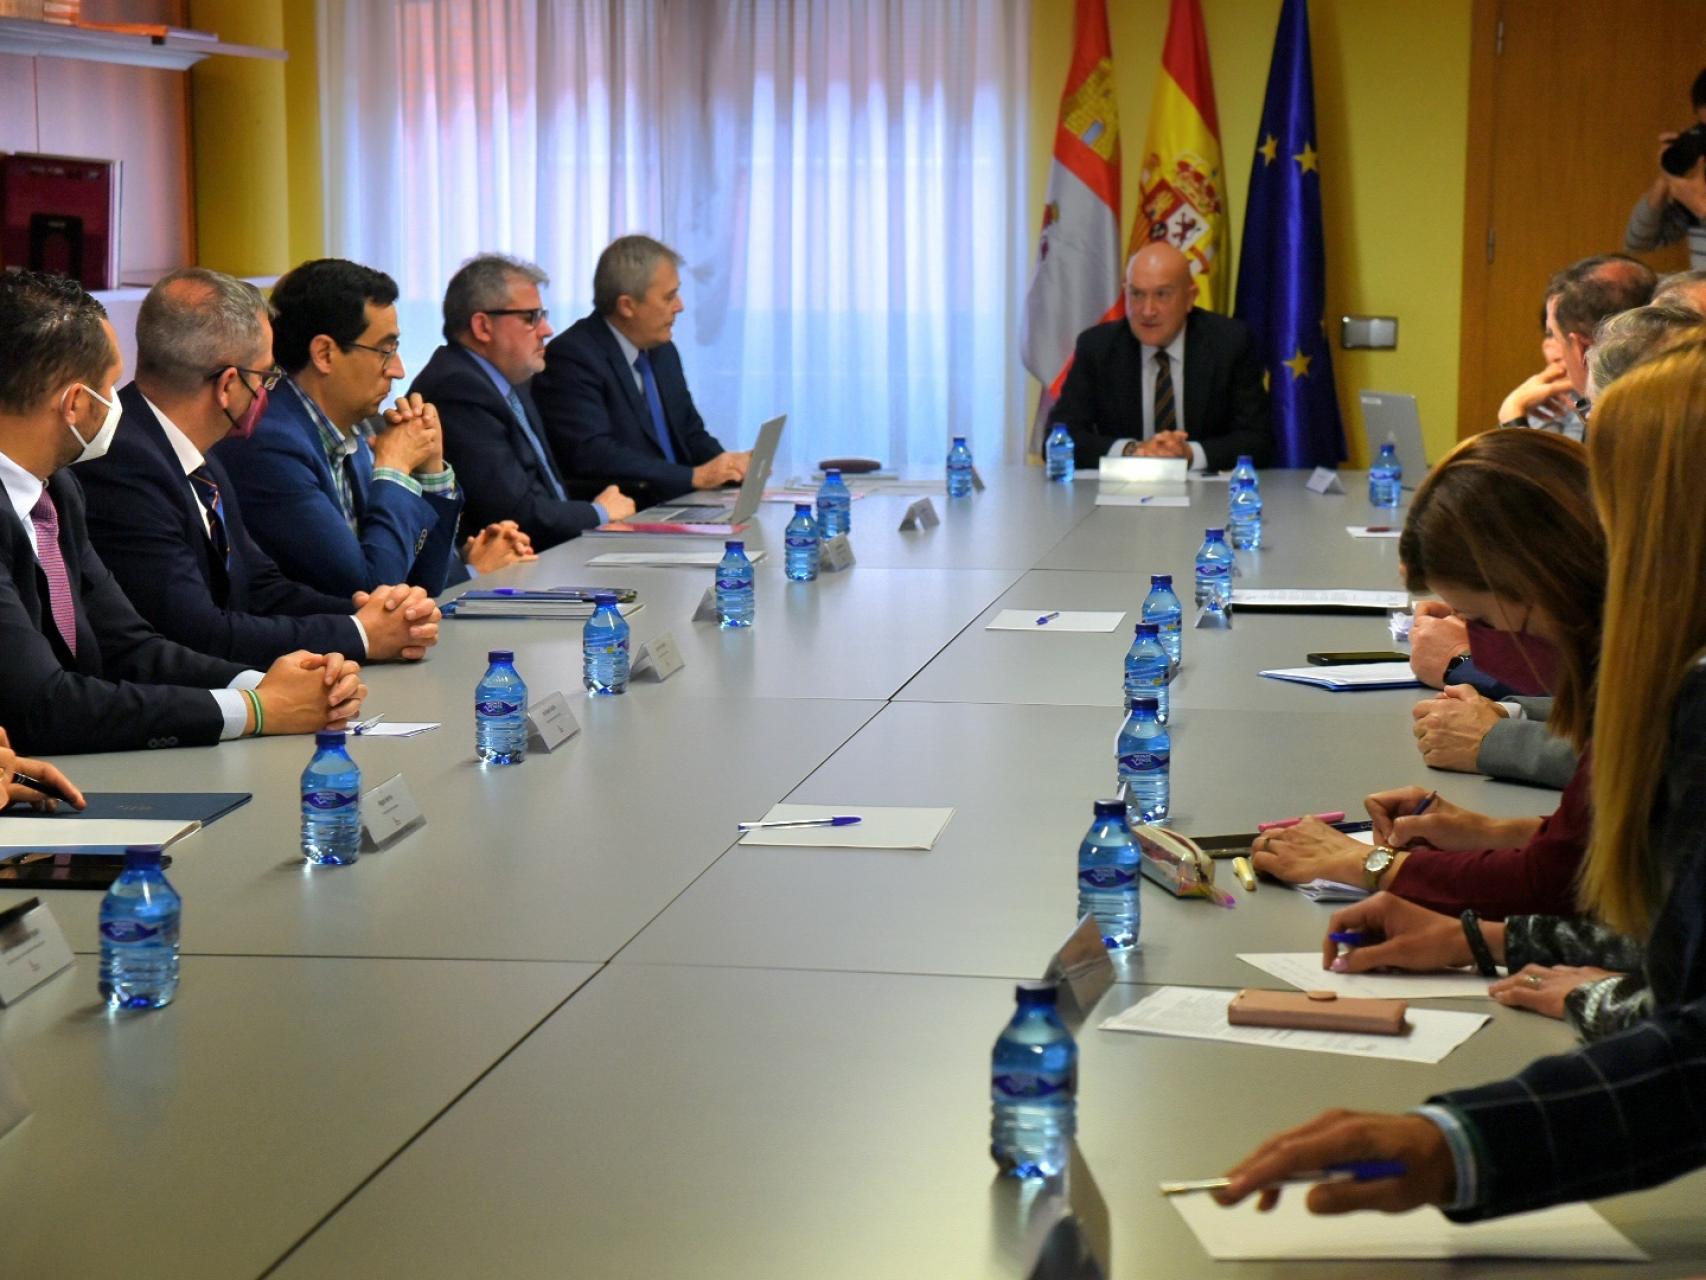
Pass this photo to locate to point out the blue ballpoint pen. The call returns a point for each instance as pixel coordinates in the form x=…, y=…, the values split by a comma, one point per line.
x=1048, y=618
x=840, y=820
x=1346, y=1171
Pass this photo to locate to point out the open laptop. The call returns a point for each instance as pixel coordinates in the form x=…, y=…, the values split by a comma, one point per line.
x=708, y=514
x=1391, y=415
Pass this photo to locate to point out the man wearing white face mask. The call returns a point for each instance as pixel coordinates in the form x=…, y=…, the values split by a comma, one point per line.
x=163, y=514
x=82, y=671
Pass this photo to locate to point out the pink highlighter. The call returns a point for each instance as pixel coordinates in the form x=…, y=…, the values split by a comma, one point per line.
x=1338, y=815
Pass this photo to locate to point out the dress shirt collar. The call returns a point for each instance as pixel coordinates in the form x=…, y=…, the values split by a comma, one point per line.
x=503, y=384
x=189, y=457
x=1175, y=349
x=23, y=491
x=337, y=444
x=630, y=352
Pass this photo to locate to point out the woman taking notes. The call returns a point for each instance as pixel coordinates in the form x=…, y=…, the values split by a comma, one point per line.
x=1626, y=1111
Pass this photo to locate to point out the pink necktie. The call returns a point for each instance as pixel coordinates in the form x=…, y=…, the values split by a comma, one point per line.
x=45, y=517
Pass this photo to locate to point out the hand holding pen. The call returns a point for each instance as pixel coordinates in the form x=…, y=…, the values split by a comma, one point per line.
x=34, y=781
x=1403, y=1162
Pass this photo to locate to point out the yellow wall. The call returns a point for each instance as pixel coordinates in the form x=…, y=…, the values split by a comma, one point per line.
x=302, y=103
x=1392, y=109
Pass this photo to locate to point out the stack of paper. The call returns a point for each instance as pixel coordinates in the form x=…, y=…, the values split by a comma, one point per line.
x=665, y=559
x=1336, y=600
x=29, y=834
x=1331, y=891
x=1364, y=675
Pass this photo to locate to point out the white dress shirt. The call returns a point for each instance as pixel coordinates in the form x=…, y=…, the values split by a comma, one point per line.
x=1176, y=366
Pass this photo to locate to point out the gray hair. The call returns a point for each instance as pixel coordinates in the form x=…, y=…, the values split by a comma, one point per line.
x=480, y=284
x=1678, y=284
x=1626, y=339
x=625, y=268
x=195, y=321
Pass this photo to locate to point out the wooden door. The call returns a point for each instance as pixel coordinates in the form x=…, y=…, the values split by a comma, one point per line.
x=1566, y=99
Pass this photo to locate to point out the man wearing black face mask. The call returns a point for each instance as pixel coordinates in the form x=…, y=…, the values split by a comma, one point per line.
x=164, y=515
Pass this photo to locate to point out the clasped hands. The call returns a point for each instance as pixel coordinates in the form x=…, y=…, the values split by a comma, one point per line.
x=1163, y=444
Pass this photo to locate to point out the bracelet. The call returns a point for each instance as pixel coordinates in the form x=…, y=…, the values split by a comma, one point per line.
x=1478, y=945
x=255, y=706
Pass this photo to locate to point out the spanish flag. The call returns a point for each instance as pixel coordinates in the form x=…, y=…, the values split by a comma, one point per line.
x=1183, y=197
x=1077, y=281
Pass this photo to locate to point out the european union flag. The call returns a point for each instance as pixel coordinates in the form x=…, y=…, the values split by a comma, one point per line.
x=1282, y=269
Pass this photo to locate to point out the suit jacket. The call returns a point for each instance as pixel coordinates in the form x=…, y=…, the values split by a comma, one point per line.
x=127, y=687
x=1225, y=405
x=498, y=470
x=286, y=485
x=146, y=522
x=598, y=422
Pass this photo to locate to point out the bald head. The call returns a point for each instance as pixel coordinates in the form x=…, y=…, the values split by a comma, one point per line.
x=195, y=321
x=1159, y=293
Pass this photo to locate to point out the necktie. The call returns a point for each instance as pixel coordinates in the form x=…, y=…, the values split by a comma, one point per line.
x=207, y=491
x=515, y=407
x=1166, y=411
x=45, y=517
x=643, y=362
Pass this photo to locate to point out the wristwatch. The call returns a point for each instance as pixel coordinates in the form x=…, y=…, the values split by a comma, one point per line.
x=1451, y=667
x=1374, y=866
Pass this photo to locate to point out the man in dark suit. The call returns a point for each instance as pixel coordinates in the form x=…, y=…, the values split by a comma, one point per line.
x=1168, y=381
x=334, y=511
x=166, y=520
x=612, y=394
x=82, y=671
x=495, y=329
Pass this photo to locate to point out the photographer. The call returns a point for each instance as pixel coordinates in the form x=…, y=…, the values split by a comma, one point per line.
x=1675, y=205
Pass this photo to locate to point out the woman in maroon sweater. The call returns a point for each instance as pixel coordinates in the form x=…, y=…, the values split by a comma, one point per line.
x=1504, y=531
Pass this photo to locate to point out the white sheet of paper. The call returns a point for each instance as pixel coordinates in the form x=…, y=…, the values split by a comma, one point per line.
x=1372, y=531
x=1350, y=675
x=1331, y=891
x=1199, y=1013
x=1069, y=620
x=881, y=828
x=1303, y=970
x=1105, y=499
x=664, y=559
x=1332, y=598
x=46, y=834
x=1290, y=1231
x=399, y=729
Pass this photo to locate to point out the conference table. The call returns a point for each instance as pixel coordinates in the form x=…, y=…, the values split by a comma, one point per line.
x=570, y=1027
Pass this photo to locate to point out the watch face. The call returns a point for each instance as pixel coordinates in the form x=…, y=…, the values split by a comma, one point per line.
x=1379, y=860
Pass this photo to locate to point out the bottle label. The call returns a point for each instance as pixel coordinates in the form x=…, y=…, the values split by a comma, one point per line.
x=609, y=646
x=1106, y=877
x=496, y=708
x=733, y=584
x=1144, y=762
x=326, y=801
x=127, y=931
x=1029, y=1084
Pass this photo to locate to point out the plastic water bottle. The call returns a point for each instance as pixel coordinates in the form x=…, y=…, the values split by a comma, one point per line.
x=1060, y=454
x=1386, y=478
x=331, y=803
x=1244, y=506
x=604, y=647
x=1033, y=1088
x=1162, y=608
x=803, y=545
x=734, y=586
x=1214, y=571
x=1108, y=872
x=959, y=469
x=1148, y=669
x=834, y=504
x=500, y=712
x=1143, y=756
x=139, y=935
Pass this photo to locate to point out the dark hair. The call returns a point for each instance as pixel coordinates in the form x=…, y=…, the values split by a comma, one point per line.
x=481, y=283
x=1697, y=94
x=1594, y=288
x=1511, y=513
x=50, y=335
x=326, y=295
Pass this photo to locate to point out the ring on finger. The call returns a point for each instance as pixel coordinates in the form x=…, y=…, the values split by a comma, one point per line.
x=1534, y=981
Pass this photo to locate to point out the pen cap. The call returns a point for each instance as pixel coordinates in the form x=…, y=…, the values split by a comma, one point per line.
x=1111, y=809
x=142, y=857
x=1036, y=993
x=329, y=738
x=500, y=655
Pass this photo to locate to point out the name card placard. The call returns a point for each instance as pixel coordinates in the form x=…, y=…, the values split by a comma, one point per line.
x=1083, y=970
x=658, y=659
x=1215, y=619
x=837, y=554
x=1324, y=480
x=920, y=515
x=976, y=480
x=32, y=950
x=707, y=610
x=550, y=723
x=388, y=813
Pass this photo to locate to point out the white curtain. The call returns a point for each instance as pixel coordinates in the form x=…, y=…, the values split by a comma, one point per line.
x=845, y=178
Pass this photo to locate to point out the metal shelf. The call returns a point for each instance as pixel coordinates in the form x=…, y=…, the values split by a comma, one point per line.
x=168, y=53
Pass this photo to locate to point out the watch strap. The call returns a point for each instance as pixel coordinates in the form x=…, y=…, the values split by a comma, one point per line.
x=1478, y=945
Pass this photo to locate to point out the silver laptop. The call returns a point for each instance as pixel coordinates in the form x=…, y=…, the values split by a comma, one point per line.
x=1391, y=415
x=710, y=507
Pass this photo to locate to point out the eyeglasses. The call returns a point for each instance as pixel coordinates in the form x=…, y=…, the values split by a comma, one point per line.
x=386, y=354
x=270, y=378
x=532, y=317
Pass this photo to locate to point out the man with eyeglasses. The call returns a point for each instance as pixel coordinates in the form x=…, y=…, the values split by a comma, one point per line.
x=495, y=328
x=166, y=519
x=335, y=510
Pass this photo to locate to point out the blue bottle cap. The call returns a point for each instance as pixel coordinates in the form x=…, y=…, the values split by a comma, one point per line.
x=832, y=473
x=735, y=544
x=1213, y=534
x=802, y=508
x=1161, y=580
x=602, y=598
x=1037, y=993
x=1148, y=630
x=1245, y=460
x=1110, y=808
x=959, y=439
x=500, y=655
x=329, y=738
x=143, y=855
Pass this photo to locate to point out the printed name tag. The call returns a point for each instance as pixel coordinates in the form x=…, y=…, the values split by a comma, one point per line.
x=976, y=480
x=32, y=950
x=707, y=610
x=920, y=515
x=1083, y=969
x=657, y=658
x=388, y=812
x=837, y=554
x=1324, y=480
x=550, y=723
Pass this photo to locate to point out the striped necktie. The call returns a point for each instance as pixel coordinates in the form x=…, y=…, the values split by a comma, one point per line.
x=207, y=491
x=45, y=517
x=1166, y=411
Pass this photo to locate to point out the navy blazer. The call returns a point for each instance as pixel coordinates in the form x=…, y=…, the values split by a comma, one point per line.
x=498, y=471
x=285, y=482
x=146, y=522
x=127, y=687
x=1226, y=406
x=598, y=422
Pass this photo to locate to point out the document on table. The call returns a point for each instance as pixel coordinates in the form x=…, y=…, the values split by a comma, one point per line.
x=1199, y=1013
x=1303, y=970
x=1350, y=675
x=1063, y=620
x=878, y=828
x=664, y=559
x=1289, y=1231
x=87, y=835
x=1341, y=598
x=398, y=729
x=1373, y=530
x=1331, y=891
x=1106, y=499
